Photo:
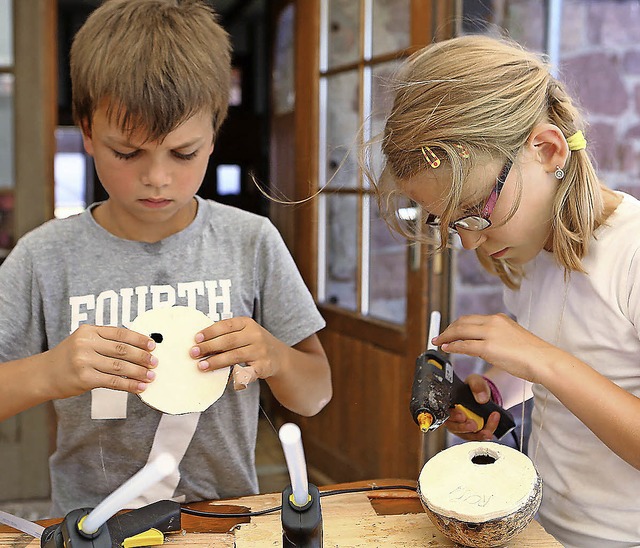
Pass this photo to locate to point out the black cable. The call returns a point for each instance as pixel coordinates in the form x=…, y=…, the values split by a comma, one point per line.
x=515, y=438
x=370, y=488
x=204, y=514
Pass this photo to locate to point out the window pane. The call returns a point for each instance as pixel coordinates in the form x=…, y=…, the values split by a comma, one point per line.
x=228, y=180
x=381, y=104
x=344, y=32
x=526, y=23
x=283, y=77
x=6, y=33
x=73, y=172
x=6, y=131
x=342, y=123
x=391, y=25
x=524, y=20
x=342, y=250
x=388, y=251
x=388, y=260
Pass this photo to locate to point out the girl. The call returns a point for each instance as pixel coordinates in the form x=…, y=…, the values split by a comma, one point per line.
x=490, y=145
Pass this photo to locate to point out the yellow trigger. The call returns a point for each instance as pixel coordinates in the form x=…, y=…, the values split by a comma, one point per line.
x=471, y=415
x=152, y=537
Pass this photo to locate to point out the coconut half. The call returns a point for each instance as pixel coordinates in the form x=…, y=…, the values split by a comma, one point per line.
x=179, y=387
x=480, y=494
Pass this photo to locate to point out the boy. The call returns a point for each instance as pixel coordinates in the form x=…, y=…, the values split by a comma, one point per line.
x=150, y=82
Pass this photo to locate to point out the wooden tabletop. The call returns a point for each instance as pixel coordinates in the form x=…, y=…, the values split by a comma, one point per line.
x=371, y=518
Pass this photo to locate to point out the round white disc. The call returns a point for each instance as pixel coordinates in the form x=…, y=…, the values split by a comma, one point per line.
x=179, y=387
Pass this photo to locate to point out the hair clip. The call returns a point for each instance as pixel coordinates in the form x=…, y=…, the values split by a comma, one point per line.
x=430, y=157
x=434, y=161
x=462, y=151
x=577, y=141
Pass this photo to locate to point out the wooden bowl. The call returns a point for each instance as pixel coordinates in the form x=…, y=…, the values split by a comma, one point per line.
x=480, y=494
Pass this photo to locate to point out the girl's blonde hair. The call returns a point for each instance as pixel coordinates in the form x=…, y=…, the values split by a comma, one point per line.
x=485, y=94
x=156, y=62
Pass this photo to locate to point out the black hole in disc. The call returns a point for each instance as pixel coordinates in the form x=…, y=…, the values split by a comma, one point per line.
x=483, y=459
x=156, y=337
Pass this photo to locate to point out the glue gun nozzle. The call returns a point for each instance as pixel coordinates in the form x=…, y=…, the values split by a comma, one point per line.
x=425, y=420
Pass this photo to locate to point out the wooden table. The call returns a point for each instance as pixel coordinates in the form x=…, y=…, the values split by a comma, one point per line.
x=380, y=518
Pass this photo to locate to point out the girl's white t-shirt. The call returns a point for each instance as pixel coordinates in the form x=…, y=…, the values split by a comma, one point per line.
x=591, y=497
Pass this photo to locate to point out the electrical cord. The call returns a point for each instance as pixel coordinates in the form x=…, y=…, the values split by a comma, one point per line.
x=204, y=514
x=516, y=440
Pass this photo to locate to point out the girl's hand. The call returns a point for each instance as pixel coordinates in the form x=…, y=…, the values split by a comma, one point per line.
x=500, y=341
x=101, y=357
x=466, y=428
x=235, y=341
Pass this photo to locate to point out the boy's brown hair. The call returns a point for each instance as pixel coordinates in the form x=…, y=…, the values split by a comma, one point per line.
x=156, y=63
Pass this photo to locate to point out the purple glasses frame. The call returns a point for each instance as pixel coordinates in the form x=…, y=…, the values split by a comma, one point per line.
x=482, y=221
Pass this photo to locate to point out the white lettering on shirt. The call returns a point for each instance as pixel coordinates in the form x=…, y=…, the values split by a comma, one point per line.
x=121, y=307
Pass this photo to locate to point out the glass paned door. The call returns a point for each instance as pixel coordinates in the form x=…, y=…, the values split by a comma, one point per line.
x=342, y=32
x=390, y=25
x=6, y=33
x=362, y=267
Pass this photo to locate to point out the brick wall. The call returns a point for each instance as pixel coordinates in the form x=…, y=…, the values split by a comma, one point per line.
x=600, y=62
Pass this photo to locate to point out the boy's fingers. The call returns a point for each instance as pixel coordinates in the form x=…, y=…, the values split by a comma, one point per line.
x=124, y=335
x=123, y=352
x=116, y=369
x=222, y=327
x=122, y=383
x=218, y=345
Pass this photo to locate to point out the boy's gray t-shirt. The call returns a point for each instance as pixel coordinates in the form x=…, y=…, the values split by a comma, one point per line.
x=226, y=263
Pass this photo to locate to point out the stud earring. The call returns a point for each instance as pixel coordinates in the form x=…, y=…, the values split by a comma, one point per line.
x=559, y=173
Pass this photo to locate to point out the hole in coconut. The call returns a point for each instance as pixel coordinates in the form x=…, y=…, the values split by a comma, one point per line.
x=484, y=456
x=157, y=337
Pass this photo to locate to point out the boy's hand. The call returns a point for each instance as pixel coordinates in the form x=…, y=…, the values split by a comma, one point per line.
x=462, y=426
x=239, y=340
x=101, y=357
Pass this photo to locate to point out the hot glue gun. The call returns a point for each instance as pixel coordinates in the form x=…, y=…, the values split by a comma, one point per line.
x=437, y=389
x=99, y=527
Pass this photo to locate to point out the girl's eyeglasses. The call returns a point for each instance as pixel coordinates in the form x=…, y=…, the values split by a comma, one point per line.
x=477, y=222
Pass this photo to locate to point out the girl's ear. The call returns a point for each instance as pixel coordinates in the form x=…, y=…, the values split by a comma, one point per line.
x=550, y=146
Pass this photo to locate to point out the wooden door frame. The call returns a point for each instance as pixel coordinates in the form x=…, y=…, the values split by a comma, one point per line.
x=306, y=122
x=28, y=438
x=35, y=111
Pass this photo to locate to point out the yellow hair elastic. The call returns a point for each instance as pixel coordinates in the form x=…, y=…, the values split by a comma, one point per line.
x=577, y=141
